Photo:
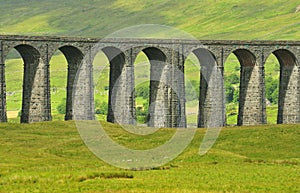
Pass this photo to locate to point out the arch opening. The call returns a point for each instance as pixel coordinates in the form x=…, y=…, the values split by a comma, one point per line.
x=232, y=88
x=58, y=84
x=14, y=73
x=142, y=87
x=272, y=74
x=192, y=89
x=101, y=71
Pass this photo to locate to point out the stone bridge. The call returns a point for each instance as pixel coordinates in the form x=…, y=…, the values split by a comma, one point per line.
x=167, y=90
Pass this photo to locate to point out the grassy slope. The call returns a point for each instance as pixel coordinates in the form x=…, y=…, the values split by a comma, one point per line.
x=51, y=157
x=209, y=19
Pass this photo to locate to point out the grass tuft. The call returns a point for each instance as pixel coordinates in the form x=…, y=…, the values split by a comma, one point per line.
x=94, y=176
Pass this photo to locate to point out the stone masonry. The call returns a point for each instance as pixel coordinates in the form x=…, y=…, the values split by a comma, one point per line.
x=167, y=90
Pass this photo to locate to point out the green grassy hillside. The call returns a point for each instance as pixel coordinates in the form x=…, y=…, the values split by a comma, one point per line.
x=208, y=19
x=51, y=157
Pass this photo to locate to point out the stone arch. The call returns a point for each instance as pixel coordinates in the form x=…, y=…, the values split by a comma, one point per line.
x=159, y=110
x=211, y=112
x=245, y=57
x=154, y=54
x=285, y=57
x=31, y=58
x=116, y=105
x=120, y=100
x=251, y=96
x=74, y=57
x=7, y=47
x=141, y=64
x=191, y=87
x=288, y=96
x=36, y=95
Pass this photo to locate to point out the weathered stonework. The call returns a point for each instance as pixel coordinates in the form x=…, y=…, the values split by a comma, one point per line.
x=3, y=116
x=167, y=84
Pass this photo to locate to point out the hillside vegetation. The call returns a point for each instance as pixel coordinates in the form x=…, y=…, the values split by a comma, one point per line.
x=207, y=19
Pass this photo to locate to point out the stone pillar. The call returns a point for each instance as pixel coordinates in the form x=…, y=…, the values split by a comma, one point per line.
x=251, y=99
x=72, y=70
x=36, y=97
x=83, y=91
x=297, y=105
x=211, y=104
x=176, y=91
x=36, y=86
x=3, y=115
x=74, y=58
x=297, y=58
x=47, y=90
x=289, y=95
x=159, y=112
x=121, y=87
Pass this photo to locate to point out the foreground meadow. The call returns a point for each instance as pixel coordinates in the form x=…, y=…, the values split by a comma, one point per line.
x=51, y=157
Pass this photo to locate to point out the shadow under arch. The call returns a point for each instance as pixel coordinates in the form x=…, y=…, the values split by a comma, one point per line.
x=211, y=110
x=288, y=95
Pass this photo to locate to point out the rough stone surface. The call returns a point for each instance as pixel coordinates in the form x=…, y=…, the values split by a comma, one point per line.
x=167, y=90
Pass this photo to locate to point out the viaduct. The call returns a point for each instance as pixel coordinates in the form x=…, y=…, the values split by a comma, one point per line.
x=167, y=90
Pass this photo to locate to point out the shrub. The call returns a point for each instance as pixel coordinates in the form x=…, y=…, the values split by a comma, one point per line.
x=61, y=108
x=101, y=108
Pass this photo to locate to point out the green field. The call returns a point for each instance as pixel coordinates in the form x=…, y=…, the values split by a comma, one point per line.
x=51, y=157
